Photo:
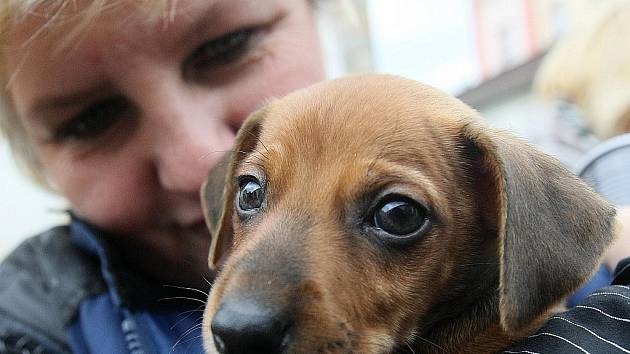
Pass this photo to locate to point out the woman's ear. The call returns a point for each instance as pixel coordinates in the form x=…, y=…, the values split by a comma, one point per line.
x=221, y=228
x=552, y=229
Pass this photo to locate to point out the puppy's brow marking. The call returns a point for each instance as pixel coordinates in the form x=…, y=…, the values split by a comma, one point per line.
x=382, y=137
x=259, y=140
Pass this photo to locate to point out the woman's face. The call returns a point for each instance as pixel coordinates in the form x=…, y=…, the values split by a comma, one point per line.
x=129, y=118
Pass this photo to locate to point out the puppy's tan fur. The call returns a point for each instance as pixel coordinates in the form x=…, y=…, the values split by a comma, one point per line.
x=512, y=231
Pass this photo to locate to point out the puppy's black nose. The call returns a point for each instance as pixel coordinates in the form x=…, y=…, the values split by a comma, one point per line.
x=245, y=328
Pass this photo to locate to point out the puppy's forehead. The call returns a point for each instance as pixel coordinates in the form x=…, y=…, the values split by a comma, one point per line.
x=367, y=112
x=372, y=103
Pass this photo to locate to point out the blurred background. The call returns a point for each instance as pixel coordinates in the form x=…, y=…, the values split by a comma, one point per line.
x=486, y=52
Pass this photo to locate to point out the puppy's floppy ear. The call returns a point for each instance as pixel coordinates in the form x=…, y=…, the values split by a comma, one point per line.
x=222, y=228
x=552, y=228
x=212, y=192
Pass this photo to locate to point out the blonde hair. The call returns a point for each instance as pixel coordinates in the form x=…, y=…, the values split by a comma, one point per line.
x=591, y=68
x=54, y=12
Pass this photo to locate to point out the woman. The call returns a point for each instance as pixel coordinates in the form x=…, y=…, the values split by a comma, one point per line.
x=122, y=107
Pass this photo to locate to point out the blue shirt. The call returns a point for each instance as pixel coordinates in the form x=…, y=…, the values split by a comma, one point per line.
x=110, y=322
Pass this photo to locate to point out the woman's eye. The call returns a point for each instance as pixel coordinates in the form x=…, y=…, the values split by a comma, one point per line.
x=93, y=121
x=220, y=51
x=251, y=195
x=399, y=216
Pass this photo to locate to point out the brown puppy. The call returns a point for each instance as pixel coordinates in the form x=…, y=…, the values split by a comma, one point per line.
x=373, y=214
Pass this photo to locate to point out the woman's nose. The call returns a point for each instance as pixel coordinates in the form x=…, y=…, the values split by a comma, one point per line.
x=188, y=138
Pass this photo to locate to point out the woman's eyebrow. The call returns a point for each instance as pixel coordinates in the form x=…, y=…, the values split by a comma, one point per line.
x=56, y=102
x=200, y=21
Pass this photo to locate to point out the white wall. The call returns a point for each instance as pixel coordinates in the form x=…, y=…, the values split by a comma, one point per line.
x=429, y=41
x=24, y=209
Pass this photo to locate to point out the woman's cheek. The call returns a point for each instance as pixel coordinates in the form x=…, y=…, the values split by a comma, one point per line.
x=119, y=196
x=277, y=73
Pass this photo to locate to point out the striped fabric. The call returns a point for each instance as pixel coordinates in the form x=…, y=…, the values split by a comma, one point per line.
x=600, y=324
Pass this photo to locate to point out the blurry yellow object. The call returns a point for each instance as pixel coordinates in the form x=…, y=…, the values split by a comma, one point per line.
x=590, y=67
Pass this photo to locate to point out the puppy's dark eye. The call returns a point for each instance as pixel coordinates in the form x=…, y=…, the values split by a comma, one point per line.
x=251, y=194
x=399, y=216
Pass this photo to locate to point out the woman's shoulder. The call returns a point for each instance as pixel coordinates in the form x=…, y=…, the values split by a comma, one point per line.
x=41, y=285
x=26, y=257
x=48, y=261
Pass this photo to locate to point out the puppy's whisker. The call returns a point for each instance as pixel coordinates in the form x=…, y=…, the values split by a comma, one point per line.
x=430, y=343
x=187, y=315
x=198, y=309
x=259, y=158
x=356, y=339
x=187, y=332
x=257, y=138
x=260, y=141
x=410, y=348
x=264, y=146
x=190, y=340
x=191, y=329
x=186, y=288
x=206, y=155
x=181, y=298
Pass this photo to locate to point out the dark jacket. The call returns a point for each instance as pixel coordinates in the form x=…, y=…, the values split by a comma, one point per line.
x=598, y=324
x=66, y=291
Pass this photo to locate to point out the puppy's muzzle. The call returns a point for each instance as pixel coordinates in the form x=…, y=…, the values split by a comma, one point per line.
x=245, y=327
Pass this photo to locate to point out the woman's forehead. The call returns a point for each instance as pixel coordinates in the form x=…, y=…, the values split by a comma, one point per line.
x=38, y=52
x=56, y=29
x=59, y=22
x=53, y=27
